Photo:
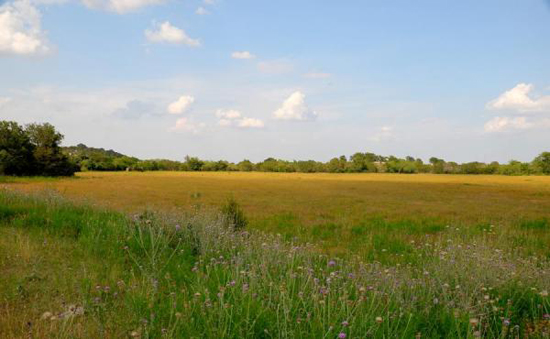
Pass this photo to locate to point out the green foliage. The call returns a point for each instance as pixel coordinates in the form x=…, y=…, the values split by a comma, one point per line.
x=543, y=162
x=234, y=215
x=16, y=150
x=34, y=150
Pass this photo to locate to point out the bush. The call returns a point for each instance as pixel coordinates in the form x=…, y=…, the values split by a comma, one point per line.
x=234, y=215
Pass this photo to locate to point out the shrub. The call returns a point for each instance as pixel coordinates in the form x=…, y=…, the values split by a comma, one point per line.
x=234, y=215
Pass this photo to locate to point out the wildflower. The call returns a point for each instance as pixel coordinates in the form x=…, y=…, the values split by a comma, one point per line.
x=474, y=321
x=506, y=322
x=379, y=320
x=178, y=227
x=332, y=263
x=486, y=297
x=546, y=316
x=345, y=323
x=341, y=335
x=544, y=293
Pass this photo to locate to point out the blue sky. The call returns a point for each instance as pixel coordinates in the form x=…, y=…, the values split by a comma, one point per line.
x=461, y=80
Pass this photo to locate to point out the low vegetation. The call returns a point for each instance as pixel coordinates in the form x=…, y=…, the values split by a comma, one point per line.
x=74, y=271
x=35, y=150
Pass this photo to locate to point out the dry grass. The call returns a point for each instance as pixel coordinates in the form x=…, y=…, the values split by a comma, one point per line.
x=338, y=210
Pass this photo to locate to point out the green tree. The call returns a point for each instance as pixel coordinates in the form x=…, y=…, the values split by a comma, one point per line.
x=543, y=162
x=50, y=160
x=16, y=150
x=193, y=163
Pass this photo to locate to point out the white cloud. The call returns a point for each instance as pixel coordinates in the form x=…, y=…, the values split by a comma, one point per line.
x=275, y=66
x=235, y=118
x=295, y=108
x=186, y=125
x=384, y=133
x=229, y=114
x=518, y=99
x=201, y=11
x=242, y=55
x=250, y=123
x=20, y=29
x=501, y=124
x=317, y=75
x=120, y=6
x=181, y=105
x=166, y=32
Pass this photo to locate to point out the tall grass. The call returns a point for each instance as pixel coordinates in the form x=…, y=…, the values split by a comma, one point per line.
x=190, y=275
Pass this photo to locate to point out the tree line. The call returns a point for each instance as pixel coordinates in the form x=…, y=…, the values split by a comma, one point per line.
x=35, y=150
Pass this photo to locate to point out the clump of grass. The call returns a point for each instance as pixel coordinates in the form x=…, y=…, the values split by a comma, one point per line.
x=234, y=215
x=537, y=224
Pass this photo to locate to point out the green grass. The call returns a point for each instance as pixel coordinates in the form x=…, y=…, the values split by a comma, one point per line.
x=71, y=270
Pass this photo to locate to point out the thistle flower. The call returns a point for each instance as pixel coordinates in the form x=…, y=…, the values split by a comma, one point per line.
x=345, y=323
x=341, y=335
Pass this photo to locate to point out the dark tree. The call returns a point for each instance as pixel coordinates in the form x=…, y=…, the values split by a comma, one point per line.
x=16, y=150
x=50, y=160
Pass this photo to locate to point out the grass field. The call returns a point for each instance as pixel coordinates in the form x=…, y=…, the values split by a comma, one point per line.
x=375, y=215
x=73, y=271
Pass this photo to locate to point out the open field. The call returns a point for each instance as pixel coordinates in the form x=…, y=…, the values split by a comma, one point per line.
x=371, y=214
x=72, y=271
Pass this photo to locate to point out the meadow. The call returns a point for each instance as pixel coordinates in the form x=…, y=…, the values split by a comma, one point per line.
x=364, y=213
x=324, y=256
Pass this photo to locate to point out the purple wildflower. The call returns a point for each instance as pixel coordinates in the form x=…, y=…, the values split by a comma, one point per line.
x=341, y=335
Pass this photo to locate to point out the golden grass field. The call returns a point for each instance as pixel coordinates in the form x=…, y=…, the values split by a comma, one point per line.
x=334, y=209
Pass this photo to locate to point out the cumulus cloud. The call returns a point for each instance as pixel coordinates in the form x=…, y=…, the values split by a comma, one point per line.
x=317, y=75
x=229, y=114
x=201, y=11
x=501, y=124
x=295, y=108
x=532, y=110
x=181, y=105
x=20, y=29
x=235, y=118
x=250, y=123
x=242, y=55
x=167, y=33
x=519, y=99
x=186, y=125
x=120, y=6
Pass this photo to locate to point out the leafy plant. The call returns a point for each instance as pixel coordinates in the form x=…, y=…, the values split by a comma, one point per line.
x=234, y=215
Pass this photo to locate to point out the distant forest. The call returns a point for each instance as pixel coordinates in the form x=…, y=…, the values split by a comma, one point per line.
x=35, y=150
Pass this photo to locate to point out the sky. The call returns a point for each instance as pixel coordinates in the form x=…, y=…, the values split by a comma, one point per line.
x=304, y=79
